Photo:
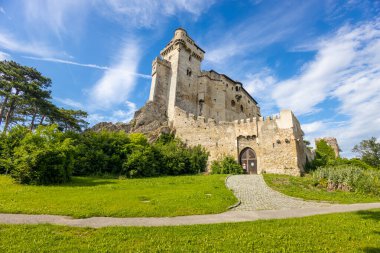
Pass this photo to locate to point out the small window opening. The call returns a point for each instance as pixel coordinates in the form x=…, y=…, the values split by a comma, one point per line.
x=233, y=103
x=190, y=58
x=241, y=108
x=188, y=72
x=237, y=88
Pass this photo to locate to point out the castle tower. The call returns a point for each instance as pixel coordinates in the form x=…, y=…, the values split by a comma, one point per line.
x=174, y=75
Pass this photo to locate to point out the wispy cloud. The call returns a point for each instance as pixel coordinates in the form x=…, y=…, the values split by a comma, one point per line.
x=346, y=68
x=257, y=32
x=56, y=60
x=4, y=56
x=58, y=16
x=148, y=13
x=118, y=115
x=10, y=43
x=70, y=102
x=118, y=81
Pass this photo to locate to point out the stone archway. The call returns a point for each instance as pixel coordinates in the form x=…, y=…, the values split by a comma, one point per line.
x=248, y=161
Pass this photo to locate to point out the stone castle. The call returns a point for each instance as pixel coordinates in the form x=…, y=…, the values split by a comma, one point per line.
x=213, y=110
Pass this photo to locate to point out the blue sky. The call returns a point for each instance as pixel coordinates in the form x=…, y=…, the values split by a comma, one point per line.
x=320, y=59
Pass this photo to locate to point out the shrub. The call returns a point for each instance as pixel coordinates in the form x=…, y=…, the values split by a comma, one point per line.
x=226, y=166
x=99, y=153
x=43, y=157
x=348, y=178
x=8, y=142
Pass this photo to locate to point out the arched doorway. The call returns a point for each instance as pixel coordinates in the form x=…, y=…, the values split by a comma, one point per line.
x=248, y=160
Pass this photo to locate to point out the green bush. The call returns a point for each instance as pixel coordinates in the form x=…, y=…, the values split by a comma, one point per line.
x=99, y=153
x=8, y=142
x=226, y=166
x=43, y=157
x=348, y=178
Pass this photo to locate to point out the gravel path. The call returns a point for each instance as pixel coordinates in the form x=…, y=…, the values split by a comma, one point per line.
x=258, y=202
x=254, y=194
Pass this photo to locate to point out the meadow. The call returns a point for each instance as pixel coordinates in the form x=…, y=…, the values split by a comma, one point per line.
x=91, y=196
x=346, y=232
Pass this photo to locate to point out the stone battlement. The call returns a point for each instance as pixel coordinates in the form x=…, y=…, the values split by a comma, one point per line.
x=283, y=120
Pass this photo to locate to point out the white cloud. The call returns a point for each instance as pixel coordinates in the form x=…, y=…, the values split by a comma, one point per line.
x=115, y=116
x=118, y=81
x=56, y=60
x=347, y=69
x=259, y=85
x=8, y=42
x=70, y=102
x=59, y=16
x=2, y=11
x=313, y=127
x=256, y=32
x=4, y=56
x=148, y=13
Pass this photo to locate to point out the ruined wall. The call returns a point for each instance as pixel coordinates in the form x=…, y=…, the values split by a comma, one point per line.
x=159, y=89
x=332, y=142
x=273, y=140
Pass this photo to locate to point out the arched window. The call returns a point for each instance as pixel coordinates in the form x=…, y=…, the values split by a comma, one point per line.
x=233, y=103
x=237, y=88
x=241, y=108
x=188, y=72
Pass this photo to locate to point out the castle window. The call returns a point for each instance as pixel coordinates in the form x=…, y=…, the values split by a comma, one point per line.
x=188, y=72
x=241, y=108
x=233, y=103
x=237, y=88
x=190, y=58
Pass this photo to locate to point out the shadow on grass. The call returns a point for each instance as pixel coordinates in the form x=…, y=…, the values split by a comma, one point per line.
x=368, y=214
x=371, y=250
x=88, y=182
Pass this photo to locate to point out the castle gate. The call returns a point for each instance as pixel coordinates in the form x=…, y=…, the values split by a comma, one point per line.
x=248, y=160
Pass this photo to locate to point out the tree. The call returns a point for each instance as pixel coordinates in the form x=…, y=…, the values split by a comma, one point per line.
x=369, y=151
x=22, y=90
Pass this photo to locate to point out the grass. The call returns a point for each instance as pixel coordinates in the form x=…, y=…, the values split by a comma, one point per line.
x=303, y=187
x=348, y=232
x=88, y=197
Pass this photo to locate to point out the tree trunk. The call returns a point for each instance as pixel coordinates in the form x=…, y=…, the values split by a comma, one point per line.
x=10, y=111
x=33, y=119
x=2, y=109
x=42, y=119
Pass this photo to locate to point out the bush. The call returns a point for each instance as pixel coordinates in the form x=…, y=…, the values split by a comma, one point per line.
x=226, y=166
x=348, y=178
x=99, y=153
x=43, y=157
x=8, y=142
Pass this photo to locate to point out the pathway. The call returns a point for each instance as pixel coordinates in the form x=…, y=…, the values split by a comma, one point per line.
x=254, y=194
x=258, y=202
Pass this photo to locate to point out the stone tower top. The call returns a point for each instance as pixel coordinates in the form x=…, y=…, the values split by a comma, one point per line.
x=182, y=40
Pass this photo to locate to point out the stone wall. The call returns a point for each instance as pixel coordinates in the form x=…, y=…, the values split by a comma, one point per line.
x=274, y=140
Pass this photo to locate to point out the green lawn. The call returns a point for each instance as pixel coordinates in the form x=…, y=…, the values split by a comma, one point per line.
x=349, y=232
x=302, y=187
x=87, y=197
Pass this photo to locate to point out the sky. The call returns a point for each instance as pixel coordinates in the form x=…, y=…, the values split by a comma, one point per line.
x=318, y=58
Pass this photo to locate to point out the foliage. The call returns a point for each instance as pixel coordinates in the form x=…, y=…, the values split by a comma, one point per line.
x=94, y=196
x=306, y=188
x=340, y=232
x=226, y=166
x=8, y=142
x=25, y=99
x=131, y=155
x=369, y=151
x=43, y=157
x=348, y=178
x=99, y=153
x=324, y=154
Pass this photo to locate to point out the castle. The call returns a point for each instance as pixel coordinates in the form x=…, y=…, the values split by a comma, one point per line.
x=213, y=110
